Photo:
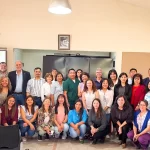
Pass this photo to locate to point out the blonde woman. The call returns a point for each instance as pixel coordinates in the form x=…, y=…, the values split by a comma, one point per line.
x=45, y=120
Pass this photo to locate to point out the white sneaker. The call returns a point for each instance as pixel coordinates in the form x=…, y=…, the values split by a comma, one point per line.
x=56, y=136
x=107, y=137
x=63, y=137
x=24, y=139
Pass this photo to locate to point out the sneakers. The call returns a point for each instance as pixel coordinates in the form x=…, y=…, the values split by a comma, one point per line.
x=39, y=137
x=94, y=141
x=107, y=137
x=24, y=139
x=63, y=137
x=57, y=136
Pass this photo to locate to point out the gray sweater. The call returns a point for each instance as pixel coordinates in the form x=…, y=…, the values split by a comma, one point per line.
x=100, y=122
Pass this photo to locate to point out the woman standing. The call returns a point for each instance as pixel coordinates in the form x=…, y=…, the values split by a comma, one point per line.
x=84, y=77
x=89, y=94
x=112, y=78
x=121, y=114
x=106, y=98
x=78, y=74
x=45, y=120
x=28, y=117
x=138, y=91
x=97, y=122
x=61, y=117
x=76, y=120
x=46, y=87
x=122, y=87
x=9, y=112
x=57, y=87
x=5, y=89
x=141, y=127
x=147, y=96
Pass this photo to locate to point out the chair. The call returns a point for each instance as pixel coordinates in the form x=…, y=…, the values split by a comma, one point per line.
x=9, y=137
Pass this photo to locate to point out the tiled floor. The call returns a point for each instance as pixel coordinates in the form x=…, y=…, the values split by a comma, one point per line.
x=69, y=144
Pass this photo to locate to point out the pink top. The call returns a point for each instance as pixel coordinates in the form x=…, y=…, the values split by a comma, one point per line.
x=60, y=117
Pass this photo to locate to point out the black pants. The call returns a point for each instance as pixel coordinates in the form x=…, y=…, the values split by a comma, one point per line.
x=123, y=136
x=99, y=134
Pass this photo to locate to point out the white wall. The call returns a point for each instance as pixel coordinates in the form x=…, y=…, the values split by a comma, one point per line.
x=94, y=25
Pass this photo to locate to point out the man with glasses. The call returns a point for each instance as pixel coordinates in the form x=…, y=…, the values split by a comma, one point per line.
x=3, y=69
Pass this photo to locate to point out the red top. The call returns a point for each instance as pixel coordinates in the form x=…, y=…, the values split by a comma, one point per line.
x=138, y=93
x=9, y=120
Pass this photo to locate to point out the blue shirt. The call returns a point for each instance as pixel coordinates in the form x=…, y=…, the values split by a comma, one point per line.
x=19, y=82
x=73, y=117
x=98, y=84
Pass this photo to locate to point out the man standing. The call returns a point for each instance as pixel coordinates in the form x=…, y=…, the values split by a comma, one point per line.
x=147, y=80
x=3, y=69
x=34, y=86
x=70, y=88
x=98, y=79
x=132, y=72
x=19, y=79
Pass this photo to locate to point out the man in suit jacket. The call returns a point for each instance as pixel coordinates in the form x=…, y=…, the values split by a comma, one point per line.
x=19, y=79
x=147, y=80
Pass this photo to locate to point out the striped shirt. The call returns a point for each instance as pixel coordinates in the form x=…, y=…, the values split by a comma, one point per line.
x=34, y=86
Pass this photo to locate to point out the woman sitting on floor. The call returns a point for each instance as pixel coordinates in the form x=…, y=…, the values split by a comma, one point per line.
x=28, y=117
x=121, y=114
x=9, y=112
x=61, y=117
x=45, y=120
x=141, y=127
x=76, y=120
x=97, y=122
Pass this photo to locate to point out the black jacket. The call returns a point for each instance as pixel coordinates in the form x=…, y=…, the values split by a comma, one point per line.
x=122, y=115
x=26, y=78
x=128, y=92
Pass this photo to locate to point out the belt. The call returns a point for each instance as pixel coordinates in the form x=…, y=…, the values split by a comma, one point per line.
x=18, y=93
x=36, y=97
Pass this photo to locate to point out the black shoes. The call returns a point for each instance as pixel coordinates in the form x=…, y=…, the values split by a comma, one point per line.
x=39, y=137
x=94, y=141
x=47, y=136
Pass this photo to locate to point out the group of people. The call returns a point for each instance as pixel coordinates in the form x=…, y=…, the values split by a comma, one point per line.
x=80, y=107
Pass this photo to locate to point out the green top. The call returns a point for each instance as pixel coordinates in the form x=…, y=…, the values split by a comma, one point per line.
x=72, y=90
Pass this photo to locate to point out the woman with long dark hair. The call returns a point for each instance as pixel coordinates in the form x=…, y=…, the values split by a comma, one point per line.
x=112, y=78
x=9, y=112
x=45, y=125
x=28, y=117
x=84, y=77
x=122, y=87
x=78, y=74
x=61, y=117
x=97, y=122
x=147, y=96
x=121, y=115
x=140, y=135
x=76, y=120
x=138, y=91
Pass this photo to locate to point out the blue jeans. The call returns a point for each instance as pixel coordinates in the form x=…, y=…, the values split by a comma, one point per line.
x=74, y=134
x=20, y=99
x=38, y=101
x=108, y=118
x=26, y=129
x=65, y=130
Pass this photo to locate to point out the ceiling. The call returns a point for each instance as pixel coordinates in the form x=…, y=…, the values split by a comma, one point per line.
x=140, y=3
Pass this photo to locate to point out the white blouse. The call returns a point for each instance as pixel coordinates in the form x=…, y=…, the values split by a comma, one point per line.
x=45, y=90
x=140, y=121
x=106, y=99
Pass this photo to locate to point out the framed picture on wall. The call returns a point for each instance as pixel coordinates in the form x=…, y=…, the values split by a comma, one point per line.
x=63, y=42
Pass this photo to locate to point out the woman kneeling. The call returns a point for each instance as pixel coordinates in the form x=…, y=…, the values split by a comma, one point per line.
x=45, y=120
x=76, y=119
x=141, y=127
